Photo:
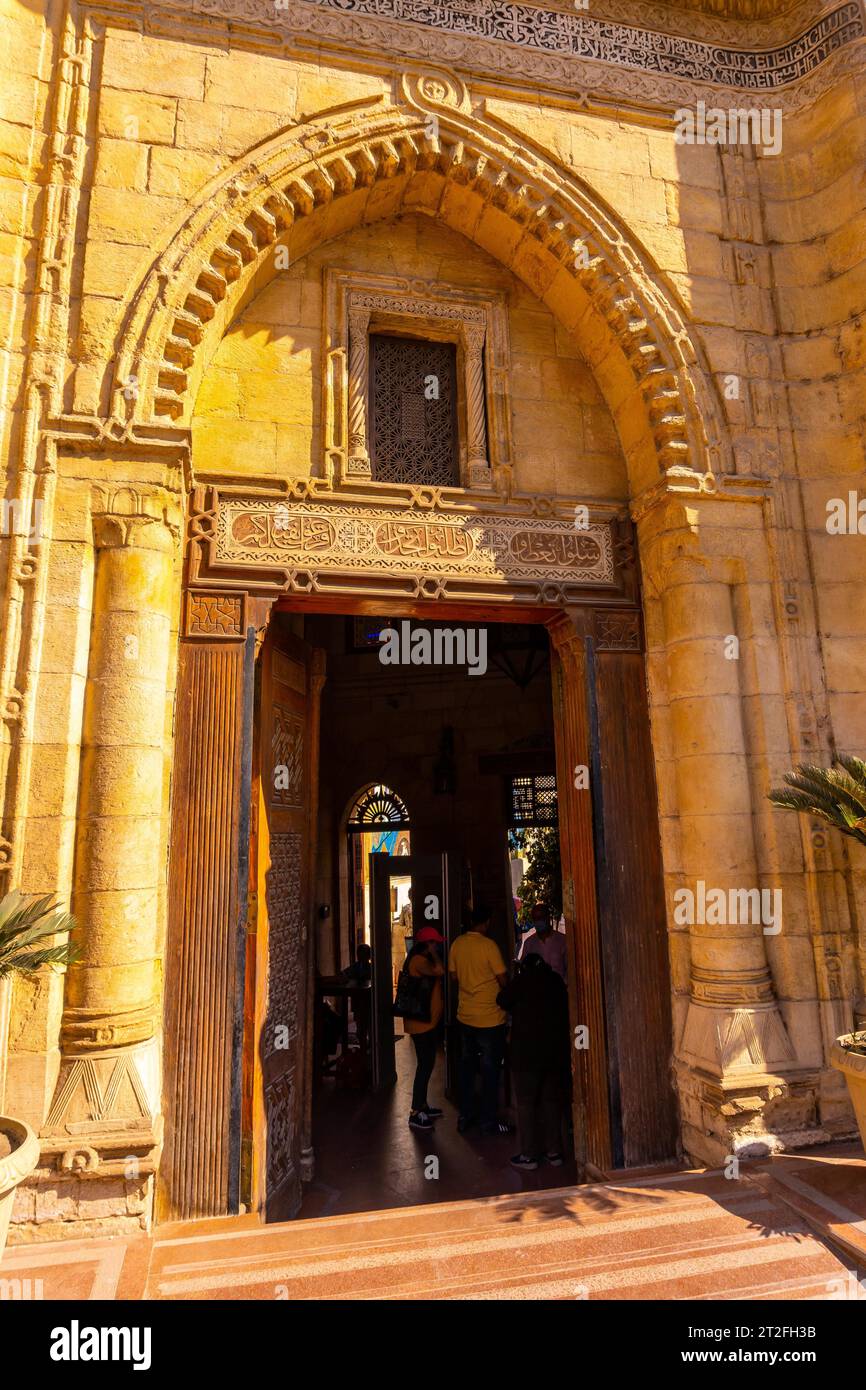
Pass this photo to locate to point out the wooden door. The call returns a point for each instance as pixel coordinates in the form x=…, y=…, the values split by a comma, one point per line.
x=285, y=802
x=634, y=946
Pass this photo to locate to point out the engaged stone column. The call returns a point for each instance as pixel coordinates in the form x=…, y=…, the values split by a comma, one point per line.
x=107, y=1095
x=479, y=464
x=734, y=1037
x=359, y=455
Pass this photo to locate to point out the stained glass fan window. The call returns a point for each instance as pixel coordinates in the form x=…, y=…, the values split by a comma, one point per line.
x=378, y=806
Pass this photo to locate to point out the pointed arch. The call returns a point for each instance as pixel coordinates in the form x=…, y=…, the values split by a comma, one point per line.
x=430, y=153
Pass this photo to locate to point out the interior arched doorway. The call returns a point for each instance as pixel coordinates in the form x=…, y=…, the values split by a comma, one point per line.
x=377, y=822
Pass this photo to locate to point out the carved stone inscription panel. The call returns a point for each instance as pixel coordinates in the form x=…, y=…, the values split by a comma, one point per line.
x=382, y=540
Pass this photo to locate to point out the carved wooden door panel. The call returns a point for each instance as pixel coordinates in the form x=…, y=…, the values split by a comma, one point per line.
x=285, y=801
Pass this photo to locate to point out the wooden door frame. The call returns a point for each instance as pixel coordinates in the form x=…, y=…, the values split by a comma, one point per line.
x=221, y=632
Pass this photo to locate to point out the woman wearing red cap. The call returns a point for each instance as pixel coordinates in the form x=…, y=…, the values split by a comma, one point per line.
x=424, y=963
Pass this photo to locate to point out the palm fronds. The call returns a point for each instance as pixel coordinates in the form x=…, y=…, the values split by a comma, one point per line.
x=24, y=923
x=834, y=794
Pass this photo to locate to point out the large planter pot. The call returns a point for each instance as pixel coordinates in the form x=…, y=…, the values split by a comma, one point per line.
x=15, y=1168
x=853, y=1065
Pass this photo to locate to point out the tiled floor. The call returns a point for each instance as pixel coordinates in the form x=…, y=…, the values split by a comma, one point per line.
x=113, y=1268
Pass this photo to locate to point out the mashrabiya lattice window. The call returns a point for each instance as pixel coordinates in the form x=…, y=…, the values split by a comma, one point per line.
x=413, y=411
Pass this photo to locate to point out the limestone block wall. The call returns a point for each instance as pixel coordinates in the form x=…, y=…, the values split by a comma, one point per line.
x=816, y=219
x=170, y=116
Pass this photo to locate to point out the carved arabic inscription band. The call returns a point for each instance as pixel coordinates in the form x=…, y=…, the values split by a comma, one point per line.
x=579, y=36
x=381, y=540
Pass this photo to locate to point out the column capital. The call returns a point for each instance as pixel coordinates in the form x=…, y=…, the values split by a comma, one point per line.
x=359, y=319
x=569, y=629
x=474, y=335
x=128, y=517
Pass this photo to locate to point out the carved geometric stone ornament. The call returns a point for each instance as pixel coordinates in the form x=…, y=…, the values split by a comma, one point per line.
x=576, y=50
x=214, y=615
x=395, y=541
x=104, y=1117
x=580, y=36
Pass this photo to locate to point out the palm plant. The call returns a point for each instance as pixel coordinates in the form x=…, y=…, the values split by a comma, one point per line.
x=835, y=794
x=23, y=925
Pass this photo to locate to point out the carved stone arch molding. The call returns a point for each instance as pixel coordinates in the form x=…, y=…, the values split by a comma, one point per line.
x=432, y=138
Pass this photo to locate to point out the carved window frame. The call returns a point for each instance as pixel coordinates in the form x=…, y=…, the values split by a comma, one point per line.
x=358, y=304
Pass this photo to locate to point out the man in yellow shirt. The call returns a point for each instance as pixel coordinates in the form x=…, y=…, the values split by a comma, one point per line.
x=479, y=972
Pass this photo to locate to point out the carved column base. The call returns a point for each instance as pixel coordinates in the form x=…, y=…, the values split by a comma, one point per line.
x=99, y=1148
x=747, y=1118
x=480, y=474
x=733, y=1026
x=106, y=1108
x=742, y=1091
x=733, y=1041
x=358, y=466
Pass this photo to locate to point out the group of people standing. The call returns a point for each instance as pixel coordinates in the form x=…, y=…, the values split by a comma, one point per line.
x=533, y=996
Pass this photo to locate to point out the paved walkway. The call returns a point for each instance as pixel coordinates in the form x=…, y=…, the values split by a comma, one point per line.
x=686, y=1235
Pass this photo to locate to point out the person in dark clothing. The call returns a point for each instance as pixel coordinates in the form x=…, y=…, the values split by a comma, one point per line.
x=423, y=963
x=538, y=1003
x=360, y=973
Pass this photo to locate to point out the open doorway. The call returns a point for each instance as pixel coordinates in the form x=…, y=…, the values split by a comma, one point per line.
x=425, y=784
x=417, y=773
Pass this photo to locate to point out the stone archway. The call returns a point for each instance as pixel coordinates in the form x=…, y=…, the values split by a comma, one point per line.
x=437, y=154
x=367, y=161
